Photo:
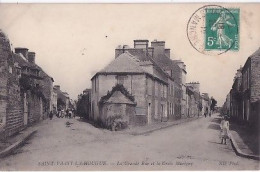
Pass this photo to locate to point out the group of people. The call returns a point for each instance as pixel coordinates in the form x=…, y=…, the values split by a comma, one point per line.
x=61, y=113
x=207, y=112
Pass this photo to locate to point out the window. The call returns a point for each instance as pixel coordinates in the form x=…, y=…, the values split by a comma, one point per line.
x=140, y=111
x=10, y=69
x=162, y=90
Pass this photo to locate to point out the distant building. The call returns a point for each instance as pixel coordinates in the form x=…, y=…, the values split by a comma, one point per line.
x=236, y=106
x=205, y=102
x=63, y=99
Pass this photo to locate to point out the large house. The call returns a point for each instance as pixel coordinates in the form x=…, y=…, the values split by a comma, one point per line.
x=132, y=85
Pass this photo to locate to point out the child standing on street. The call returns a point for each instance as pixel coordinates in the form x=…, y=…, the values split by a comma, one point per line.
x=224, y=134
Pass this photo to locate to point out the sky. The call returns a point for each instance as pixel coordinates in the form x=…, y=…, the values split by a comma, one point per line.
x=74, y=41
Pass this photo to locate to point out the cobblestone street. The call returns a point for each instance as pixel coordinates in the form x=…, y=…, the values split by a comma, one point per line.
x=189, y=146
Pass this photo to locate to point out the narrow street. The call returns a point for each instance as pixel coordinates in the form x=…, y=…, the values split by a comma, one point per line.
x=190, y=146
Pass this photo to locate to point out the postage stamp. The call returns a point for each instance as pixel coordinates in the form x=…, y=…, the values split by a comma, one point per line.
x=214, y=30
x=221, y=29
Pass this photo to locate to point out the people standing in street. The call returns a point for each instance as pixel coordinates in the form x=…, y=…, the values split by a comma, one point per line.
x=224, y=133
x=206, y=112
x=67, y=113
x=50, y=115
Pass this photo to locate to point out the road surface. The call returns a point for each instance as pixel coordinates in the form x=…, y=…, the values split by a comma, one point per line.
x=189, y=146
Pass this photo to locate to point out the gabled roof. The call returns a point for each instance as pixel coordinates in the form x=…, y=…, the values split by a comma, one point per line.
x=124, y=63
x=118, y=97
x=167, y=64
x=23, y=63
x=118, y=94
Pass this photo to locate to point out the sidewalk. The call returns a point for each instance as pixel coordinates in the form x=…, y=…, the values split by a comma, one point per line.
x=141, y=130
x=8, y=145
x=245, y=142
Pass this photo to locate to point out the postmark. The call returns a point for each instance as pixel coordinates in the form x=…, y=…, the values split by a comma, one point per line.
x=214, y=30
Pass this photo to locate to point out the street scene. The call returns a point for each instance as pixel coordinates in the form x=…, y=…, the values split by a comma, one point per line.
x=84, y=97
x=58, y=144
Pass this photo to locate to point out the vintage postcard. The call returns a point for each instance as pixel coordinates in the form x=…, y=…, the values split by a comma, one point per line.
x=172, y=86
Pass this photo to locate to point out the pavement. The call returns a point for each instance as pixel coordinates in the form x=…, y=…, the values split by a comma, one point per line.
x=244, y=141
x=192, y=145
x=141, y=130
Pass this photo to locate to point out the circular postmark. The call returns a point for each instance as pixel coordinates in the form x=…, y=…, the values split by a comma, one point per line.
x=214, y=30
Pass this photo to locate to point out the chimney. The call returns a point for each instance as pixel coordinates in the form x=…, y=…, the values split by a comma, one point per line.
x=195, y=85
x=150, y=51
x=167, y=52
x=159, y=47
x=31, y=57
x=143, y=44
x=120, y=50
x=23, y=51
x=57, y=87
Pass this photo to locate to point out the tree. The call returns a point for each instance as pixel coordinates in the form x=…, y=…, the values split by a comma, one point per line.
x=83, y=106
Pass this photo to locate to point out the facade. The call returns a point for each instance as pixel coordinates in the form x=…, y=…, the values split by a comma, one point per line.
x=251, y=89
x=22, y=100
x=150, y=85
x=176, y=70
x=142, y=80
x=243, y=100
x=236, y=107
x=63, y=99
x=182, y=74
x=194, y=106
x=205, y=102
x=11, y=106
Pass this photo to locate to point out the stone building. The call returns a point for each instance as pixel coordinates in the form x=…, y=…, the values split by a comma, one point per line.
x=63, y=99
x=182, y=73
x=37, y=76
x=251, y=89
x=191, y=105
x=205, y=102
x=243, y=100
x=137, y=76
x=11, y=106
x=147, y=56
x=176, y=70
x=22, y=97
x=196, y=107
x=236, y=107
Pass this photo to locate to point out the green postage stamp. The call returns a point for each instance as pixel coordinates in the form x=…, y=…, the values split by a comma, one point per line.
x=222, y=29
x=214, y=30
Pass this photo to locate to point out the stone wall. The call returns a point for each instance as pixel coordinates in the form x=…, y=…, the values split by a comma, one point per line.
x=35, y=111
x=11, y=107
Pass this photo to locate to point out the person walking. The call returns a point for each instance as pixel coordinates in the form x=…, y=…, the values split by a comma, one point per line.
x=224, y=133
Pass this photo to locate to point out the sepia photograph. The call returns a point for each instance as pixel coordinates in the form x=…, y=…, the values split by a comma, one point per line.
x=129, y=86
